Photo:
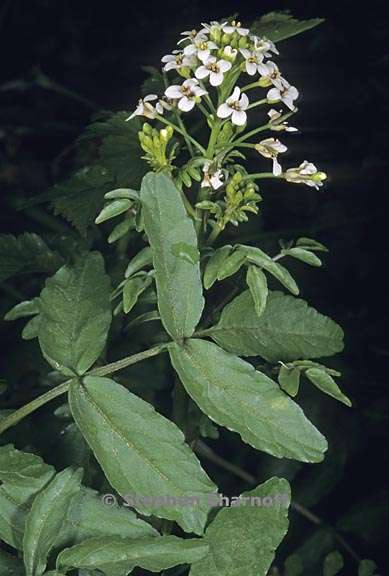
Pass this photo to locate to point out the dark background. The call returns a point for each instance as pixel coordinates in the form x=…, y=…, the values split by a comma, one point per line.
x=63, y=61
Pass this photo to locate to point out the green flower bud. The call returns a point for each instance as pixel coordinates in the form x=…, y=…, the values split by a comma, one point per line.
x=226, y=39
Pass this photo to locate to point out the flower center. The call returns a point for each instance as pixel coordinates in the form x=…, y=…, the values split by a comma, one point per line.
x=213, y=67
x=235, y=105
x=202, y=45
x=186, y=91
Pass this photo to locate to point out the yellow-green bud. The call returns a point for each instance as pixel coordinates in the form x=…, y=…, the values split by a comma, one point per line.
x=215, y=34
x=243, y=43
x=226, y=39
x=264, y=82
x=184, y=71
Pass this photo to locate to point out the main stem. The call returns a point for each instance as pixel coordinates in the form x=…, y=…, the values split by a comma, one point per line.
x=24, y=411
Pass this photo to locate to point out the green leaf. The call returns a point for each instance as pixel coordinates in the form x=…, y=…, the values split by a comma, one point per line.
x=122, y=193
x=293, y=566
x=327, y=384
x=303, y=255
x=31, y=329
x=233, y=394
x=120, y=230
x=289, y=379
x=214, y=264
x=26, y=254
x=167, y=225
x=118, y=556
x=22, y=476
x=333, y=563
x=132, y=289
x=242, y=539
x=113, y=209
x=10, y=565
x=92, y=515
x=256, y=281
x=142, y=259
x=278, y=26
x=366, y=568
x=310, y=244
x=75, y=315
x=288, y=329
x=231, y=264
x=119, y=153
x=144, y=454
x=261, y=259
x=80, y=198
x=23, y=309
x=46, y=518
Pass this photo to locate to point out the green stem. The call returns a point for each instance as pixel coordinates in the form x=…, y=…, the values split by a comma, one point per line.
x=257, y=103
x=260, y=176
x=185, y=134
x=182, y=132
x=24, y=411
x=250, y=86
x=213, y=235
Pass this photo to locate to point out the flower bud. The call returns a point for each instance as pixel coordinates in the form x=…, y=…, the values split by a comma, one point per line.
x=226, y=39
x=184, y=71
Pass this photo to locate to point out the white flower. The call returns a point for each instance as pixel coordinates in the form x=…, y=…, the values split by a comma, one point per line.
x=213, y=68
x=264, y=45
x=213, y=26
x=235, y=107
x=287, y=94
x=212, y=178
x=175, y=61
x=185, y=94
x=188, y=35
x=274, y=116
x=200, y=47
x=306, y=173
x=235, y=27
x=253, y=59
x=271, y=72
x=270, y=148
x=144, y=108
x=229, y=53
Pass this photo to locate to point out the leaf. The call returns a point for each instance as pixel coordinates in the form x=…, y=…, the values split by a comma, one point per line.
x=23, y=309
x=242, y=539
x=214, y=264
x=75, y=315
x=143, y=454
x=310, y=244
x=179, y=287
x=26, y=254
x=256, y=281
x=10, y=565
x=31, y=329
x=113, y=209
x=22, y=476
x=303, y=255
x=119, y=152
x=327, y=384
x=288, y=329
x=142, y=259
x=333, y=563
x=231, y=264
x=293, y=566
x=233, y=394
x=278, y=26
x=91, y=515
x=132, y=289
x=80, y=198
x=289, y=379
x=118, y=556
x=120, y=230
x=261, y=259
x=366, y=568
x=46, y=518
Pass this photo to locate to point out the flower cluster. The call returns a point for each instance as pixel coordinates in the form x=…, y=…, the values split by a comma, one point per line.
x=216, y=70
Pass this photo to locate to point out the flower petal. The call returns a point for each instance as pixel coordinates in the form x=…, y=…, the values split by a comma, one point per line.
x=216, y=78
x=173, y=92
x=186, y=104
x=202, y=72
x=251, y=68
x=239, y=117
x=224, y=111
x=244, y=101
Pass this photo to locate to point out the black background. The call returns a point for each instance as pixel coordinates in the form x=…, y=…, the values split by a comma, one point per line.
x=90, y=56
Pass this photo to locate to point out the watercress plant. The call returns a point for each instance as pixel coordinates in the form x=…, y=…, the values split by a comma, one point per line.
x=230, y=357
